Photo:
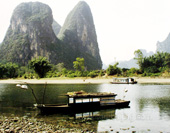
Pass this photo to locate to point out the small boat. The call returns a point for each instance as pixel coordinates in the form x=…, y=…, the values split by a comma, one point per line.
x=124, y=81
x=82, y=102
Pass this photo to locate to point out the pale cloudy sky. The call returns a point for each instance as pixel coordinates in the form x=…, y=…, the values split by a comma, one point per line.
x=122, y=26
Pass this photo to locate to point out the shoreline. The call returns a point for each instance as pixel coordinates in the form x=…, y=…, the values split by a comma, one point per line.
x=140, y=80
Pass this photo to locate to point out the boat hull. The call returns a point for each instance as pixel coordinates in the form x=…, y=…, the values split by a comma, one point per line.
x=67, y=109
x=123, y=83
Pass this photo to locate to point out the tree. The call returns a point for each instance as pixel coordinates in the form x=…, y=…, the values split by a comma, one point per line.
x=8, y=70
x=156, y=63
x=93, y=74
x=139, y=57
x=11, y=70
x=112, y=70
x=2, y=70
x=60, y=66
x=64, y=71
x=40, y=65
x=167, y=61
x=79, y=64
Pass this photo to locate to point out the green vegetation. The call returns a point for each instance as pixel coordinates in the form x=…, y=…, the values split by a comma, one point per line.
x=113, y=70
x=79, y=64
x=40, y=65
x=155, y=65
x=139, y=57
x=8, y=70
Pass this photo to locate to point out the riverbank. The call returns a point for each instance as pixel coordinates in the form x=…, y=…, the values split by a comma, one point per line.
x=24, y=124
x=141, y=80
x=150, y=80
x=58, y=81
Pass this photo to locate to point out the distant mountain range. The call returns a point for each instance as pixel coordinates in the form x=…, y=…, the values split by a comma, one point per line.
x=132, y=62
x=164, y=46
x=33, y=32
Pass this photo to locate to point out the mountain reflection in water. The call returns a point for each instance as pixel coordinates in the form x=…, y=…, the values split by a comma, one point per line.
x=149, y=106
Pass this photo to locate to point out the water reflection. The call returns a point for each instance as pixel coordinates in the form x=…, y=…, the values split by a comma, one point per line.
x=84, y=120
x=162, y=104
x=149, y=106
x=97, y=115
x=19, y=112
x=10, y=95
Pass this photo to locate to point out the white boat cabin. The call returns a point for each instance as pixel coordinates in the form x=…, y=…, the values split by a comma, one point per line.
x=123, y=80
x=85, y=98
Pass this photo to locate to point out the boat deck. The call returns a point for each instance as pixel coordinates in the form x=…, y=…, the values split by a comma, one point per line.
x=54, y=105
x=120, y=101
x=83, y=94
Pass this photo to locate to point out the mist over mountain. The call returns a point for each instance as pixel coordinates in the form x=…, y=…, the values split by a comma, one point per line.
x=56, y=27
x=132, y=62
x=145, y=53
x=164, y=46
x=32, y=32
x=128, y=64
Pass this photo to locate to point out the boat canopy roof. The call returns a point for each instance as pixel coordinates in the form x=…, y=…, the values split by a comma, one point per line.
x=82, y=94
x=122, y=78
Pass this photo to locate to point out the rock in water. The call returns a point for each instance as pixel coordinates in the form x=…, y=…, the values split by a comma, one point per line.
x=79, y=32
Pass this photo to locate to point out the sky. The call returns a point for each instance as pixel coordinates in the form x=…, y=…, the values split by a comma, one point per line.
x=122, y=26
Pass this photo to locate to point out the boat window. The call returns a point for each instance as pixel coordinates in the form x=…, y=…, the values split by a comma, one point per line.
x=78, y=100
x=124, y=80
x=96, y=99
x=86, y=100
x=71, y=100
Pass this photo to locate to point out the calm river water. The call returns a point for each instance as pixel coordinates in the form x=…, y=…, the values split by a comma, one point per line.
x=149, y=108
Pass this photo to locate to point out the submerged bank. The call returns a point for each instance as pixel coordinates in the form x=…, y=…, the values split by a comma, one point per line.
x=82, y=80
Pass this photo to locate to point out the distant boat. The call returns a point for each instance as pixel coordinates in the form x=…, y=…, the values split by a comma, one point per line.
x=82, y=102
x=123, y=81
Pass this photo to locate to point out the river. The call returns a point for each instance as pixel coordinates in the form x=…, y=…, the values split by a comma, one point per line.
x=149, y=107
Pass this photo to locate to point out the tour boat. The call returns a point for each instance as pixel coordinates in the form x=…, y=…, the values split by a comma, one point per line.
x=123, y=81
x=82, y=102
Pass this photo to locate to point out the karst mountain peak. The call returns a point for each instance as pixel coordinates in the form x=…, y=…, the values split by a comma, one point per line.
x=33, y=32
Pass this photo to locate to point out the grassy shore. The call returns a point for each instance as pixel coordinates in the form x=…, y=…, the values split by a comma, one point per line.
x=83, y=80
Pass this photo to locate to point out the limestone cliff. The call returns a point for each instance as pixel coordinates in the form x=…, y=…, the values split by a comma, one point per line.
x=79, y=32
x=164, y=46
x=56, y=27
x=30, y=34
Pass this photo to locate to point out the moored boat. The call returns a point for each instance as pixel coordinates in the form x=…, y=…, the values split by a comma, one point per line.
x=124, y=81
x=83, y=102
